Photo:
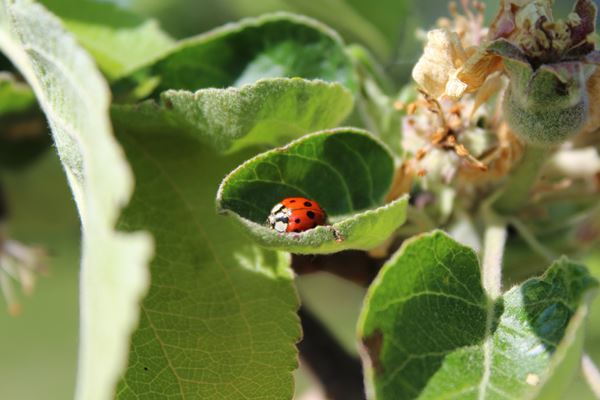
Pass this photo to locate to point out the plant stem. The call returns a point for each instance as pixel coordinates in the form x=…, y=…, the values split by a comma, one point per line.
x=591, y=374
x=517, y=190
x=493, y=251
x=339, y=372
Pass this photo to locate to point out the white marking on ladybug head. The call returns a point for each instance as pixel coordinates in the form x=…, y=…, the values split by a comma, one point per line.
x=280, y=226
x=278, y=207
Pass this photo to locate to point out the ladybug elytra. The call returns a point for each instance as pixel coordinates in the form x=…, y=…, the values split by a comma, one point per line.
x=296, y=214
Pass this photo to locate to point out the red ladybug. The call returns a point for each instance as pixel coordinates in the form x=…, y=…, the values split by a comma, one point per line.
x=296, y=214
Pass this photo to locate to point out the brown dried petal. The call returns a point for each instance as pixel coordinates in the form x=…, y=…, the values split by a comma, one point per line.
x=593, y=121
x=478, y=68
x=442, y=56
x=491, y=87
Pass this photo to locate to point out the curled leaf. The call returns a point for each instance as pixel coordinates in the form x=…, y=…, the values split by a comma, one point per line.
x=347, y=171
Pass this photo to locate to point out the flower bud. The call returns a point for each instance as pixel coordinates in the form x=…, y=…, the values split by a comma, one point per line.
x=547, y=106
x=548, y=64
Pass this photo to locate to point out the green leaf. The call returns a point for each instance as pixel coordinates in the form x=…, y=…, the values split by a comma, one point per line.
x=431, y=332
x=269, y=112
x=23, y=133
x=271, y=46
x=347, y=171
x=75, y=98
x=119, y=40
x=260, y=60
x=376, y=27
x=220, y=319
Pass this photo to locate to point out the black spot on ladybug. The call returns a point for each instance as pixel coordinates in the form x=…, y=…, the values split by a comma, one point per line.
x=292, y=201
x=308, y=204
x=310, y=214
x=297, y=220
x=297, y=230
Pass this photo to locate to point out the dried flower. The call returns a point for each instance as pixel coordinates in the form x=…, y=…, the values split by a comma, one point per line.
x=548, y=61
x=452, y=131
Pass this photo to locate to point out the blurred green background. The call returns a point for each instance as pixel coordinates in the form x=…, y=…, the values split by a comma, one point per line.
x=38, y=349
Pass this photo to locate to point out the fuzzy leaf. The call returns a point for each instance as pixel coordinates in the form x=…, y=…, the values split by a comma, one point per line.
x=269, y=112
x=431, y=332
x=119, y=40
x=347, y=171
x=241, y=80
x=220, y=319
x=271, y=46
x=75, y=98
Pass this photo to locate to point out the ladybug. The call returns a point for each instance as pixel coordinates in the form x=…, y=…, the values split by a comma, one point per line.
x=296, y=214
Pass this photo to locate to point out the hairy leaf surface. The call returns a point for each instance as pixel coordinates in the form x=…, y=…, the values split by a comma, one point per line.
x=75, y=98
x=263, y=80
x=269, y=46
x=431, y=332
x=269, y=112
x=347, y=171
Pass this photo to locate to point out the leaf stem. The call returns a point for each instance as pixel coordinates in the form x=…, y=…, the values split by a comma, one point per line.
x=493, y=251
x=516, y=192
x=591, y=374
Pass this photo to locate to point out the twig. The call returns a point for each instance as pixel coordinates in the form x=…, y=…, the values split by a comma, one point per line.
x=591, y=374
x=339, y=372
x=355, y=266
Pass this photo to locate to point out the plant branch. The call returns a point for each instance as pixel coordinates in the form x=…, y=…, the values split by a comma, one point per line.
x=339, y=372
x=493, y=251
x=516, y=192
x=355, y=266
x=591, y=374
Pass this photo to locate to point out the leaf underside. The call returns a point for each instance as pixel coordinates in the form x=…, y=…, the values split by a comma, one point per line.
x=431, y=332
x=268, y=112
x=260, y=81
x=75, y=99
